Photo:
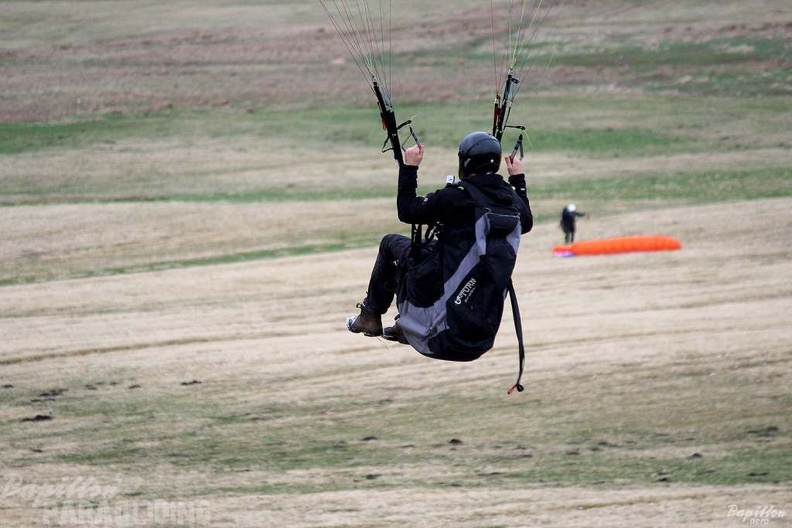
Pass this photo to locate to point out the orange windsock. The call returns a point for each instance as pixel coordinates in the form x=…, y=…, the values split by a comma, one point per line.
x=607, y=246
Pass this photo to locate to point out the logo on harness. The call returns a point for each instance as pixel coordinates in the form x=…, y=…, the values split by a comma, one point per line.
x=467, y=291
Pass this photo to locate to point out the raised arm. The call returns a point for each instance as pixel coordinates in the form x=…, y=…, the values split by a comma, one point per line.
x=414, y=209
x=517, y=181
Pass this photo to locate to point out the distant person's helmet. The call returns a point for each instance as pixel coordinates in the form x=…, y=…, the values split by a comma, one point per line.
x=479, y=153
x=571, y=208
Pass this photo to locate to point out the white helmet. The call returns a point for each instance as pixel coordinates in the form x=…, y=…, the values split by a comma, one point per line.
x=571, y=208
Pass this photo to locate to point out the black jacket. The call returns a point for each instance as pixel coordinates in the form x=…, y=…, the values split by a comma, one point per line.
x=451, y=206
x=568, y=219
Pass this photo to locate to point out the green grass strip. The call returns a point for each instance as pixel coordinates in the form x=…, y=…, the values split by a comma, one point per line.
x=198, y=262
x=20, y=137
x=689, y=187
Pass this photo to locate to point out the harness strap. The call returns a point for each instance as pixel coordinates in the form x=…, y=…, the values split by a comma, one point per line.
x=518, y=329
x=478, y=197
x=416, y=236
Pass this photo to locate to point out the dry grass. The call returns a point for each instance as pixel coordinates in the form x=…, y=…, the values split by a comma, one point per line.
x=653, y=356
x=148, y=310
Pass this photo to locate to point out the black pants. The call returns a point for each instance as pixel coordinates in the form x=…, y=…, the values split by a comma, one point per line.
x=569, y=230
x=382, y=285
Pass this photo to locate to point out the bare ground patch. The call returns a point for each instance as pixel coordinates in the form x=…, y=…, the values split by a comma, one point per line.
x=282, y=57
x=638, y=359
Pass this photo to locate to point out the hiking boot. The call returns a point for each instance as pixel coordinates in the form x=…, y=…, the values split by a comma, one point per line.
x=395, y=333
x=366, y=323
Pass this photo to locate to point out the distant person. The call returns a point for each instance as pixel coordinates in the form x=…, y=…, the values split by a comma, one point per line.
x=568, y=217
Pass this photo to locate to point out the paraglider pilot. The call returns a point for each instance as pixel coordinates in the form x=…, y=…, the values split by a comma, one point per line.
x=568, y=216
x=479, y=160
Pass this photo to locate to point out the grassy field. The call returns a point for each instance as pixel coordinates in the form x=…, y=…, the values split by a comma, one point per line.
x=191, y=196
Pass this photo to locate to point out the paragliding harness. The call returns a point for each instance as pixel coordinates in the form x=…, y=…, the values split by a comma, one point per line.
x=451, y=291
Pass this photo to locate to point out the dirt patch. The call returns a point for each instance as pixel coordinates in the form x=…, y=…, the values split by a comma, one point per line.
x=190, y=63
